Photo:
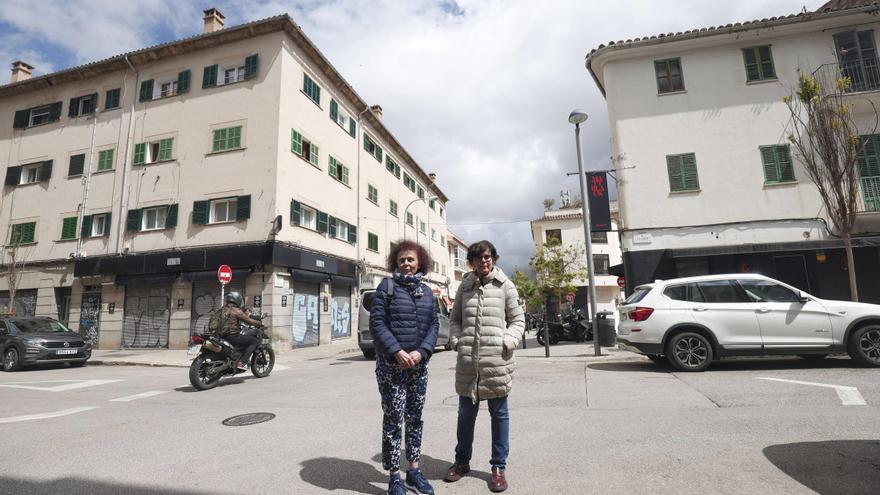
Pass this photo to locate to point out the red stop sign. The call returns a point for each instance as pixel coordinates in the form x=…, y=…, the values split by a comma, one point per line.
x=569, y=297
x=224, y=274
x=621, y=282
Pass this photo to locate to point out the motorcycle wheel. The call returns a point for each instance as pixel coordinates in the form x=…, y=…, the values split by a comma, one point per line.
x=554, y=339
x=540, y=337
x=199, y=374
x=262, y=362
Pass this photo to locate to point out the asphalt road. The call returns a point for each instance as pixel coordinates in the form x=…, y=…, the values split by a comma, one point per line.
x=577, y=426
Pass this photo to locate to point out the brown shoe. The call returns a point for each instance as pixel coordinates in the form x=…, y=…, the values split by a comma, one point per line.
x=499, y=482
x=456, y=471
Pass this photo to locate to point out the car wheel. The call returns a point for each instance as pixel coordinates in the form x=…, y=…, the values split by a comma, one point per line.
x=689, y=351
x=10, y=360
x=369, y=353
x=657, y=358
x=864, y=345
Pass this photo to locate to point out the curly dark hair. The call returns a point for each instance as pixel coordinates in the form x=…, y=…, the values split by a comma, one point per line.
x=421, y=254
x=477, y=249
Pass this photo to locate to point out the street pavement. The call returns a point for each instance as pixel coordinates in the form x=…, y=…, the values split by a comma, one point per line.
x=579, y=424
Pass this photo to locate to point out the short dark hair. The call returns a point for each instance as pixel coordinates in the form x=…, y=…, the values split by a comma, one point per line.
x=421, y=254
x=477, y=249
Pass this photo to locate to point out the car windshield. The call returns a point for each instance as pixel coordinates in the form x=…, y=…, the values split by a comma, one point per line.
x=39, y=326
x=638, y=295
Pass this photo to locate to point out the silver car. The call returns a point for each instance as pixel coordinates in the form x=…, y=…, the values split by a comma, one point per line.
x=365, y=339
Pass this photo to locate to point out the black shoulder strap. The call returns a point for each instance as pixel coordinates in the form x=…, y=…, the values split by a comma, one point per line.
x=389, y=288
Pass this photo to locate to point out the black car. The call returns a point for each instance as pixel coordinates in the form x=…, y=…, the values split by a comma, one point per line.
x=40, y=340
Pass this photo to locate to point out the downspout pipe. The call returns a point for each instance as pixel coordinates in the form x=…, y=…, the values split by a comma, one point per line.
x=123, y=201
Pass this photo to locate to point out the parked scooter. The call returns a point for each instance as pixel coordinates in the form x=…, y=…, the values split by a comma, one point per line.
x=217, y=356
x=573, y=326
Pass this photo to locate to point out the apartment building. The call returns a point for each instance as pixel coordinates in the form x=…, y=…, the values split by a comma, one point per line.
x=130, y=180
x=458, y=263
x=706, y=178
x=566, y=227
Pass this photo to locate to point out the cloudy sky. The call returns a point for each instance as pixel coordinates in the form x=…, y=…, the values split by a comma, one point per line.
x=478, y=91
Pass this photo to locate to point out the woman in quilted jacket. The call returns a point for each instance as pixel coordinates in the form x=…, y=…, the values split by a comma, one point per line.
x=485, y=327
x=404, y=325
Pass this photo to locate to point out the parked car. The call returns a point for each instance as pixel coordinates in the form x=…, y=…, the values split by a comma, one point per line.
x=365, y=339
x=26, y=341
x=693, y=321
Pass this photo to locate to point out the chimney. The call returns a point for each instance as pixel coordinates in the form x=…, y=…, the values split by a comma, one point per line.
x=377, y=110
x=433, y=177
x=21, y=71
x=213, y=20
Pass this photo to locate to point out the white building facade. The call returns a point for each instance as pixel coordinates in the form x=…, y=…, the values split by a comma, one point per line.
x=707, y=181
x=241, y=146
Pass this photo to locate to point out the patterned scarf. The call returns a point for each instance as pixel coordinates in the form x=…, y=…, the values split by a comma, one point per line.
x=412, y=283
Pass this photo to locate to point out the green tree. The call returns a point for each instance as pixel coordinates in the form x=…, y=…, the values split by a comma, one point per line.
x=528, y=290
x=557, y=267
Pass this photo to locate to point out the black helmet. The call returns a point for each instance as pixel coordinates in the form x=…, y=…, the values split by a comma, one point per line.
x=235, y=298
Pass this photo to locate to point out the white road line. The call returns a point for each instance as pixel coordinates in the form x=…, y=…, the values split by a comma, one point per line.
x=68, y=385
x=849, y=396
x=144, y=395
x=280, y=367
x=56, y=414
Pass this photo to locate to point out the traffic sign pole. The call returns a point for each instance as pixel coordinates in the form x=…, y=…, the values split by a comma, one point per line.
x=224, y=275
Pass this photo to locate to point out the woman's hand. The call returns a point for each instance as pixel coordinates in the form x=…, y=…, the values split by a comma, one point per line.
x=416, y=357
x=404, y=359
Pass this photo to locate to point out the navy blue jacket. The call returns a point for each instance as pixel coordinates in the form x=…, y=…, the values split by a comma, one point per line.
x=410, y=324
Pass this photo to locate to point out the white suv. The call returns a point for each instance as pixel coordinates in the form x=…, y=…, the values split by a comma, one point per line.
x=693, y=320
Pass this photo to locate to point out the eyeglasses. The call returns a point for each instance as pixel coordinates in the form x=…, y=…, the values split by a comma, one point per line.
x=486, y=257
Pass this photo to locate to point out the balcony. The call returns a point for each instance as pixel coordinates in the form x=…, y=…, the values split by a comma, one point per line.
x=862, y=76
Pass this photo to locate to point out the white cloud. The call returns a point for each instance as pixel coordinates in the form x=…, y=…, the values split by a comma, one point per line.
x=481, y=98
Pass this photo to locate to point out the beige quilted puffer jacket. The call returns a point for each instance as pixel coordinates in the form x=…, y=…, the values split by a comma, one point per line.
x=485, y=327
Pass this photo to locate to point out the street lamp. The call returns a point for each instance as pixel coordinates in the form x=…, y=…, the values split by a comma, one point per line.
x=406, y=210
x=577, y=117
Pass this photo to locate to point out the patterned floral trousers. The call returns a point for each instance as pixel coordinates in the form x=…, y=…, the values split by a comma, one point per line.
x=403, y=397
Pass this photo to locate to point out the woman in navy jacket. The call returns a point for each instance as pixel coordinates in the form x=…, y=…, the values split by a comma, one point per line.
x=404, y=325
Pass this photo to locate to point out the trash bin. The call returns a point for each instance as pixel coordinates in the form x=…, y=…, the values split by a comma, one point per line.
x=607, y=335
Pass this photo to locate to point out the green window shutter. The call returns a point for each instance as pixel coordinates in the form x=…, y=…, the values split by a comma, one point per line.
x=766, y=60
x=111, y=99
x=344, y=174
x=295, y=209
x=352, y=234
x=105, y=160
x=171, y=217
x=28, y=232
x=55, y=111
x=251, y=66
x=378, y=153
x=372, y=241
x=322, y=221
x=351, y=127
x=86, y=230
x=73, y=107
x=234, y=137
x=783, y=158
x=76, y=166
x=94, y=104
x=768, y=161
x=165, y=147
x=334, y=110
x=750, y=58
x=673, y=168
x=243, y=207
x=219, y=140
x=13, y=175
x=140, y=153
x=332, y=224
x=45, y=172
x=331, y=168
x=869, y=156
x=209, y=76
x=146, y=90
x=68, y=228
x=296, y=142
x=107, y=224
x=313, y=154
x=133, y=221
x=183, y=81
x=689, y=172
x=21, y=119
x=200, y=212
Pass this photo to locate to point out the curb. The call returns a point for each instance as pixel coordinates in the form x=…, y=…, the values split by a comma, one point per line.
x=105, y=362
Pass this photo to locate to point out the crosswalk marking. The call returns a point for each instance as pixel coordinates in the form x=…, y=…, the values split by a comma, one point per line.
x=55, y=414
x=66, y=385
x=849, y=396
x=143, y=395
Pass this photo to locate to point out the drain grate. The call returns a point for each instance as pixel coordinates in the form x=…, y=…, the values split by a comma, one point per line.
x=248, y=419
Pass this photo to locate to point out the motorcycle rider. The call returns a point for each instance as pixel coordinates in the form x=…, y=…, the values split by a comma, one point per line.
x=232, y=328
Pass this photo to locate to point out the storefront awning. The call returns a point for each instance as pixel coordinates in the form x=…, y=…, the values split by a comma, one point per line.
x=343, y=280
x=309, y=276
x=149, y=279
x=616, y=270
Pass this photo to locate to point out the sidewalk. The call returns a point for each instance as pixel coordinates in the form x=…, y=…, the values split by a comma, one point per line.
x=565, y=351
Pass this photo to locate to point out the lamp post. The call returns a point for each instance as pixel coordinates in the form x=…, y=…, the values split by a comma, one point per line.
x=406, y=210
x=577, y=117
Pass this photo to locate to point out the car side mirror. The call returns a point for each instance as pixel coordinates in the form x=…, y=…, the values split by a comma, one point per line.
x=803, y=299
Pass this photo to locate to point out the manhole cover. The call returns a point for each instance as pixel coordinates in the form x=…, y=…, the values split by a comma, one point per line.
x=248, y=419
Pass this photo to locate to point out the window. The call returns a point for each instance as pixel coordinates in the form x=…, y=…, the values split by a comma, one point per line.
x=767, y=291
x=154, y=218
x=84, y=105
x=76, y=166
x=223, y=210
x=105, y=160
x=434, y=235
x=372, y=194
x=422, y=227
x=408, y=182
x=30, y=174
x=42, y=114
x=443, y=241
x=676, y=292
x=392, y=167
x=311, y=218
x=342, y=230
x=600, y=264
x=553, y=236
x=23, y=233
x=168, y=89
x=111, y=99
x=759, y=63
x=342, y=118
x=682, y=171
x=777, y=164
x=409, y=219
x=95, y=225
x=372, y=148
x=233, y=75
x=599, y=237
x=720, y=291
x=441, y=212
x=421, y=192
x=432, y=203
x=312, y=90
x=392, y=207
x=304, y=148
x=68, y=228
x=435, y=267
x=669, y=79
x=307, y=218
x=39, y=116
x=338, y=171
x=150, y=90
x=153, y=151
x=227, y=139
x=460, y=258
x=372, y=242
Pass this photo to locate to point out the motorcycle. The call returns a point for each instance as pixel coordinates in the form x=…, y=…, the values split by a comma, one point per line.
x=573, y=326
x=217, y=356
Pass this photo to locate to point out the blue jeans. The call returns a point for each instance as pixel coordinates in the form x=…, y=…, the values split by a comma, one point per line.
x=467, y=416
